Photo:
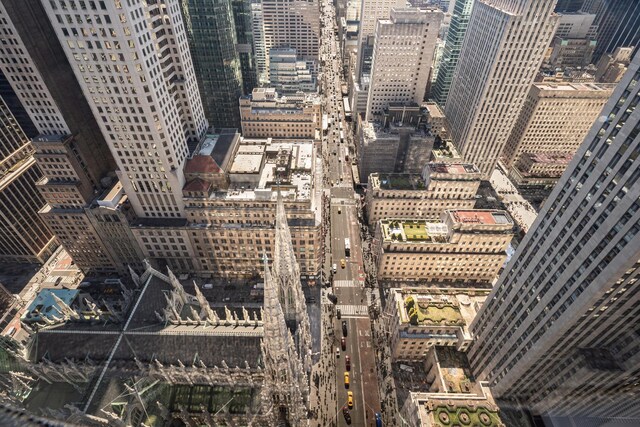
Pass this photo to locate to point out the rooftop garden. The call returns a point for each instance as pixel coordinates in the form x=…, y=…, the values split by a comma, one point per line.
x=401, y=181
x=415, y=231
x=450, y=415
x=433, y=313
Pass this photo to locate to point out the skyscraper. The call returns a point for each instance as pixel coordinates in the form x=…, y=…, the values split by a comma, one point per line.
x=555, y=118
x=10, y=98
x=288, y=74
x=24, y=237
x=559, y=332
x=402, y=57
x=133, y=63
x=569, y=5
x=453, y=45
x=618, y=24
x=210, y=27
x=259, y=46
x=292, y=23
x=45, y=84
x=243, y=18
x=501, y=54
x=371, y=11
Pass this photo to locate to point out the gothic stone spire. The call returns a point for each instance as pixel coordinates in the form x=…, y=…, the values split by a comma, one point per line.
x=287, y=274
x=285, y=379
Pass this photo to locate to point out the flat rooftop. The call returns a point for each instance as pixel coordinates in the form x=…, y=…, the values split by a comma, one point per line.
x=572, y=87
x=261, y=162
x=550, y=158
x=400, y=181
x=484, y=217
x=453, y=168
x=433, y=109
x=438, y=307
x=414, y=231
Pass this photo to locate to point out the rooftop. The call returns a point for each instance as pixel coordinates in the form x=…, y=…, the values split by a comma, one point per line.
x=438, y=307
x=262, y=164
x=550, y=158
x=481, y=217
x=433, y=109
x=398, y=181
x=444, y=151
x=574, y=87
x=45, y=305
x=453, y=397
x=415, y=231
x=112, y=197
x=430, y=231
x=453, y=169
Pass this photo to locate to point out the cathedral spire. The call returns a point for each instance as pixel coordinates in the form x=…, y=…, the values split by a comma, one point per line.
x=287, y=275
x=285, y=379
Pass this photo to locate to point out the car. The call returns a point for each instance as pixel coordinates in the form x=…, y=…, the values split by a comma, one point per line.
x=337, y=352
x=340, y=209
x=378, y=420
x=343, y=343
x=334, y=267
x=346, y=379
x=350, y=399
x=346, y=414
x=344, y=328
x=343, y=263
x=339, y=314
x=347, y=362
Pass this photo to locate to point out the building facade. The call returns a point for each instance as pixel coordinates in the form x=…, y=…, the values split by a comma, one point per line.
x=289, y=75
x=259, y=46
x=370, y=12
x=24, y=236
x=211, y=30
x=465, y=246
x=402, y=57
x=452, y=47
x=558, y=332
x=294, y=24
x=228, y=229
x=555, y=118
x=266, y=115
x=391, y=149
x=420, y=319
x=501, y=54
x=245, y=43
x=440, y=187
x=141, y=86
x=47, y=88
x=618, y=24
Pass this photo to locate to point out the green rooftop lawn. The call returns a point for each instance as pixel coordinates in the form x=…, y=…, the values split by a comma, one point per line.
x=399, y=181
x=436, y=313
x=415, y=231
x=466, y=416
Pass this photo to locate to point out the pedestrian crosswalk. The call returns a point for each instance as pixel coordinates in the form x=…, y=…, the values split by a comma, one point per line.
x=353, y=310
x=344, y=284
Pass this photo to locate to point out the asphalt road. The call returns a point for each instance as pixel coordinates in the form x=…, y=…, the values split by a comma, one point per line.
x=348, y=282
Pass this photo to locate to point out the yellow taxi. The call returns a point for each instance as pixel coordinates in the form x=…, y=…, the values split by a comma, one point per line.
x=350, y=399
x=343, y=263
x=346, y=379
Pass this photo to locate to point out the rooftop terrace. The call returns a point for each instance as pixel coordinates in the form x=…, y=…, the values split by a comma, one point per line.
x=422, y=311
x=453, y=168
x=399, y=181
x=481, y=217
x=418, y=231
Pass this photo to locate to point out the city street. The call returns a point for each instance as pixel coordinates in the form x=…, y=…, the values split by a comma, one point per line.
x=341, y=219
